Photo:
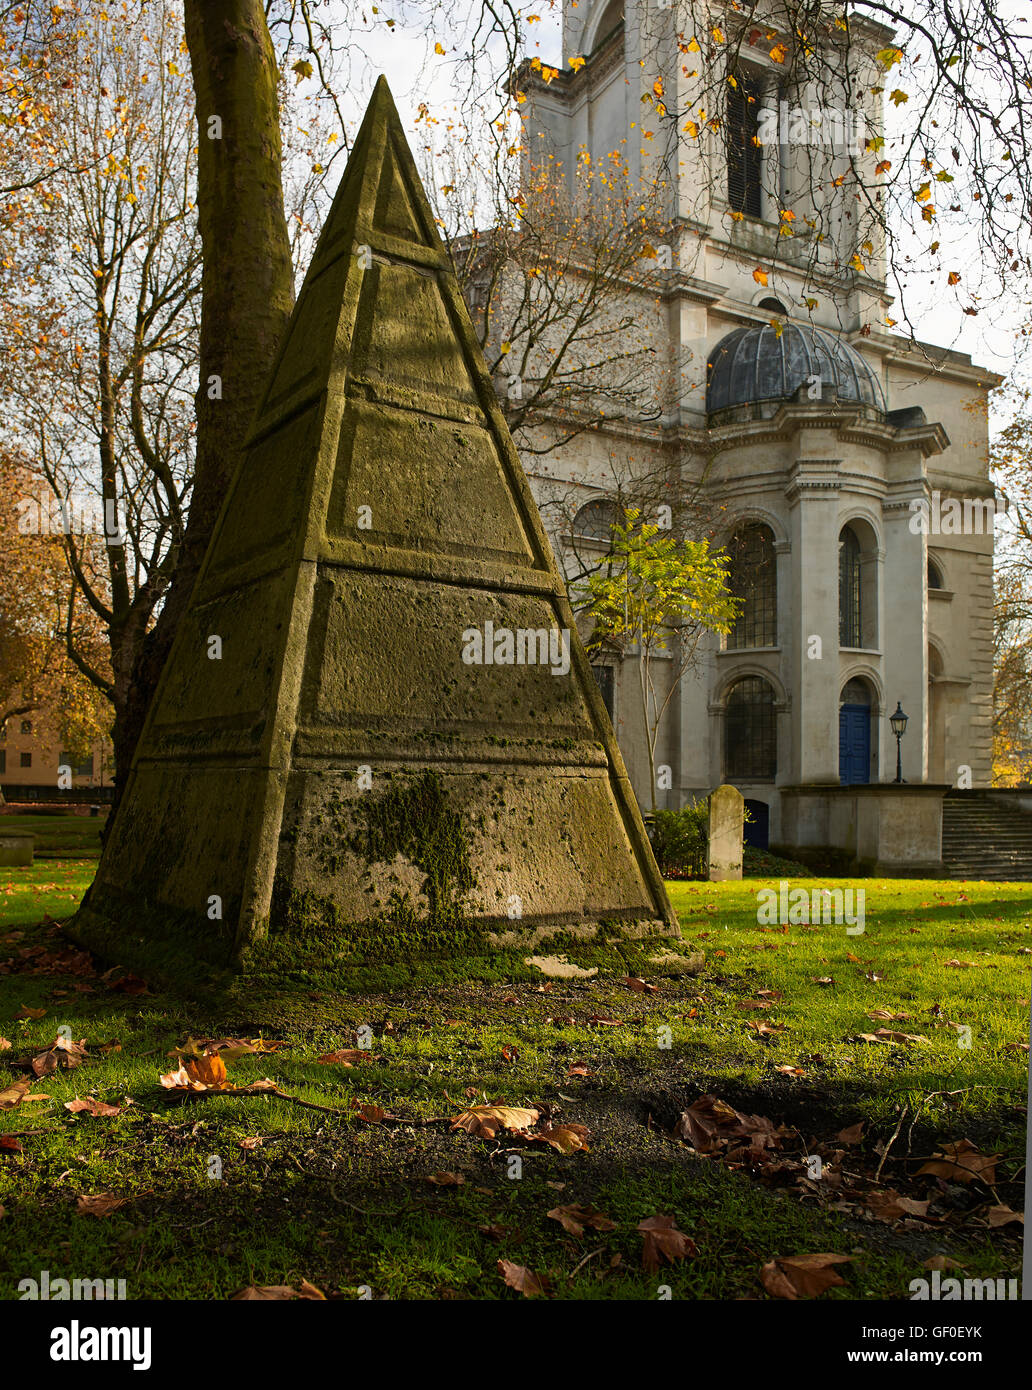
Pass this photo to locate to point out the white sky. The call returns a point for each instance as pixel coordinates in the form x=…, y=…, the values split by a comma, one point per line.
x=416, y=74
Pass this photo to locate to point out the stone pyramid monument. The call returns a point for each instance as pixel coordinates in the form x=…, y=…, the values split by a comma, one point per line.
x=377, y=734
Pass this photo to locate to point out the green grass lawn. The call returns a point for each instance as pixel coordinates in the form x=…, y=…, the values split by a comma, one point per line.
x=68, y=836
x=345, y=1203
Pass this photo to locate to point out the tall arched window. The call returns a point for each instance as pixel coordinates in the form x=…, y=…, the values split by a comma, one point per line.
x=754, y=580
x=850, y=606
x=750, y=732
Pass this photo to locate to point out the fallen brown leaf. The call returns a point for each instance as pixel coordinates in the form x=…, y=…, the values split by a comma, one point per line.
x=802, y=1276
x=97, y=1108
x=278, y=1293
x=522, y=1279
x=345, y=1057
x=484, y=1121
x=663, y=1241
x=1003, y=1216
x=575, y=1219
x=567, y=1138
x=103, y=1204
x=445, y=1179
x=961, y=1162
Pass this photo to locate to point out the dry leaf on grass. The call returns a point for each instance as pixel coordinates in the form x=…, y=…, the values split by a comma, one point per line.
x=26, y=1012
x=209, y=1074
x=522, y=1279
x=802, y=1276
x=95, y=1107
x=567, y=1138
x=484, y=1121
x=575, y=1219
x=345, y=1057
x=710, y=1123
x=103, y=1204
x=961, y=1162
x=663, y=1241
x=277, y=1293
x=852, y=1135
x=18, y=1091
x=62, y=1052
x=445, y=1179
x=639, y=986
x=941, y=1262
x=580, y=1069
x=1003, y=1216
x=891, y=1206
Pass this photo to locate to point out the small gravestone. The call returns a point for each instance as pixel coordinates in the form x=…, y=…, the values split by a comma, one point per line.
x=16, y=848
x=726, y=818
x=377, y=735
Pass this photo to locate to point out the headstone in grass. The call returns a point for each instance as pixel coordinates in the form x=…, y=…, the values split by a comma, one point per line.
x=377, y=737
x=16, y=848
x=726, y=818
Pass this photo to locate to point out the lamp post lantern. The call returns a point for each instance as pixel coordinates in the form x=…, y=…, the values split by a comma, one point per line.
x=898, y=720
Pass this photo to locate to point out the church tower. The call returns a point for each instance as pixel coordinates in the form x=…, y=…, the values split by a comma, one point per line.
x=833, y=451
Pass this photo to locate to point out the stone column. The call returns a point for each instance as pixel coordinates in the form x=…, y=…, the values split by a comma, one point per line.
x=813, y=494
x=904, y=640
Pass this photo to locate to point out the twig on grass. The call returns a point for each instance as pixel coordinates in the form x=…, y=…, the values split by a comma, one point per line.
x=888, y=1146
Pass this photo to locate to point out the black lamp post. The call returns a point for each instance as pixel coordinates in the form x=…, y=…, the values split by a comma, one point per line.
x=898, y=720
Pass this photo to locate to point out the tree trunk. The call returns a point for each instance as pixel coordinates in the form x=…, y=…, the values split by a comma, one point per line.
x=247, y=289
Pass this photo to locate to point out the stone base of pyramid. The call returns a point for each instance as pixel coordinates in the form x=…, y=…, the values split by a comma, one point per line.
x=367, y=883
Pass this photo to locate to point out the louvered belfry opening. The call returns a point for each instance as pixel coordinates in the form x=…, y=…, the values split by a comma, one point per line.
x=744, y=155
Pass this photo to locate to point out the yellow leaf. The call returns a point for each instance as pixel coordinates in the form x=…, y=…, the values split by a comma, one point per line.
x=778, y=53
x=718, y=35
x=760, y=276
x=438, y=48
x=883, y=166
x=693, y=47
x=657, y=86
x=953, y=278
x=898, y=97
x=303, y=68
x=577, y=63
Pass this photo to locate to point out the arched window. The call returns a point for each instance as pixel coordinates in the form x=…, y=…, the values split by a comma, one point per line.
x=934, y=575
x=850, y=606
x=750, y=732
x=595, y=521
x=611, y=17
x=773, y=306
x=754, y=580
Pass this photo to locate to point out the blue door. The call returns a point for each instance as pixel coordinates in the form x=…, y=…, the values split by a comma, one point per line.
x=854, y=743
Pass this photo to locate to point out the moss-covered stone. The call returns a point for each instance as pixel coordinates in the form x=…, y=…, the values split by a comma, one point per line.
x=337, y=792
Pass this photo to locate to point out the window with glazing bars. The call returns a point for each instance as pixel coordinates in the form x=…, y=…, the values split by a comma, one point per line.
x=850, y=612
x=744, y=186
x=750, y=732
x=754, y=580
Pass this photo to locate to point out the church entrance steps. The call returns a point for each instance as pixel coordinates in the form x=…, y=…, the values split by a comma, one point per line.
x=983, y=838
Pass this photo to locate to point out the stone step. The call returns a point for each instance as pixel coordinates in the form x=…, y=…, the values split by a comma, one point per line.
x=985, y=840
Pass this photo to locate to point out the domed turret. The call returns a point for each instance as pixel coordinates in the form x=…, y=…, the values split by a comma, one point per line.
x=757, y=364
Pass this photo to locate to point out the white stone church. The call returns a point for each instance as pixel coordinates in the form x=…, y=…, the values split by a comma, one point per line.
x=817, y=430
